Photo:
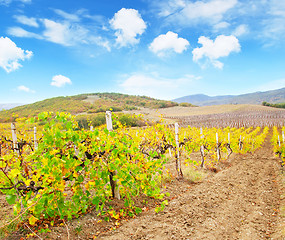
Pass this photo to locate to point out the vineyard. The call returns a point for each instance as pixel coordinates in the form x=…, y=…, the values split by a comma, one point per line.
x=236, y=119
x=52, y=171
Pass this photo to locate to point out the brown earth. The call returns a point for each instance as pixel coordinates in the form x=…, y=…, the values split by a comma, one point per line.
x=242, y=201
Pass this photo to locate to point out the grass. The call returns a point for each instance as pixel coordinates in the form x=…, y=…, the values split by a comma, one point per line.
x=193, y=175
x=9, y=229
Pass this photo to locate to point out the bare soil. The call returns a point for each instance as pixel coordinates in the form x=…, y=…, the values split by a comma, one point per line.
x=241, y=201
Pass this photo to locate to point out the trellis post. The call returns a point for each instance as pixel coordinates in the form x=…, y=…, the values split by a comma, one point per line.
x=114, y=184
x=14, y=138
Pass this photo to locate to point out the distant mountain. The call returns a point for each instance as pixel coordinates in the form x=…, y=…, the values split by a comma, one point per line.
x=8, y=106
x=273, y=96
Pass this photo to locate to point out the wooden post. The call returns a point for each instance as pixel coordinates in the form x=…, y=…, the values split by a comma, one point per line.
x=230, y=151
x=14, y=138
x=178, y=162
x=35, y=138
x=240, y=143
x=109, y=120
x=229, y=138
x=202, y=149
x=114, y=184
x=218, y=147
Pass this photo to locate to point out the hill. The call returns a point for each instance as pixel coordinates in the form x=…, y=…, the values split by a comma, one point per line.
x=85, y=103
x=273, y=96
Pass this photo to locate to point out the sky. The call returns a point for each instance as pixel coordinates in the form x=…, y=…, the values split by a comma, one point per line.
x=159, y=48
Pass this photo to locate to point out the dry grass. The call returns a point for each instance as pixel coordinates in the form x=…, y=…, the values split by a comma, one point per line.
x=194, y=175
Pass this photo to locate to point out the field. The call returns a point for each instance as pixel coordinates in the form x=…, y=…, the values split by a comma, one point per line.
x=237, y=194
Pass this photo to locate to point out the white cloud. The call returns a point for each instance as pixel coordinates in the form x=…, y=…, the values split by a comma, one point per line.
x=10, y=55
x=20, y=32
x=223, y=46
x=273, y=24
x=241, y=30
x=221, y=25
x=188, y=12
x=64, y=33
x=169, y=7
x=7, y=2
x=67, y=16
x=169, y=41
x=25, y=89
x=60, y=81
x=128, y=25
x=212, y=10
x=155, y=86
x=277, y=8
x=32, y=22
x=67, y=32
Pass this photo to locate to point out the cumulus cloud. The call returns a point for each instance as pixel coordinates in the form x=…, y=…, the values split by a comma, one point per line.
x=128, y=25
x=32, y=22
x=154, y=85
x=60, y=81
x=167, y=42
x=25, y=89
x=223, y=46
x=11, y=55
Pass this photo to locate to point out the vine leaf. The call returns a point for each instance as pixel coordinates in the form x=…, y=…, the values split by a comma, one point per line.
x=11, y=199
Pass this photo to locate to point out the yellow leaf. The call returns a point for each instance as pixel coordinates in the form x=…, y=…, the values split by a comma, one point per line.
x=33, y=220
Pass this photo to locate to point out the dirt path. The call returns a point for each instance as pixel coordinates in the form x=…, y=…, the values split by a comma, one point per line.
x=241, y=202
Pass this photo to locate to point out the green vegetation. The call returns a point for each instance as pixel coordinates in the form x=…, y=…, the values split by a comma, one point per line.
x=276, y=105
x=186, y=104
x=85, y=121
x=92, y=103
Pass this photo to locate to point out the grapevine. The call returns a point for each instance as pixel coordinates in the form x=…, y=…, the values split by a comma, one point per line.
x=70, y=170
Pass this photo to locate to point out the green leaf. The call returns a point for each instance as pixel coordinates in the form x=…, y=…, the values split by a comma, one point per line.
x=11, y=199
x=96, y=201
x=138, y=210
x=80, y=179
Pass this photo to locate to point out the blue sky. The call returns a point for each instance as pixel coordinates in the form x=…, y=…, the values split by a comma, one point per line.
x=159, y=48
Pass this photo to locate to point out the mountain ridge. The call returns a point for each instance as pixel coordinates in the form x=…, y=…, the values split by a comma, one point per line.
x=272, y=96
